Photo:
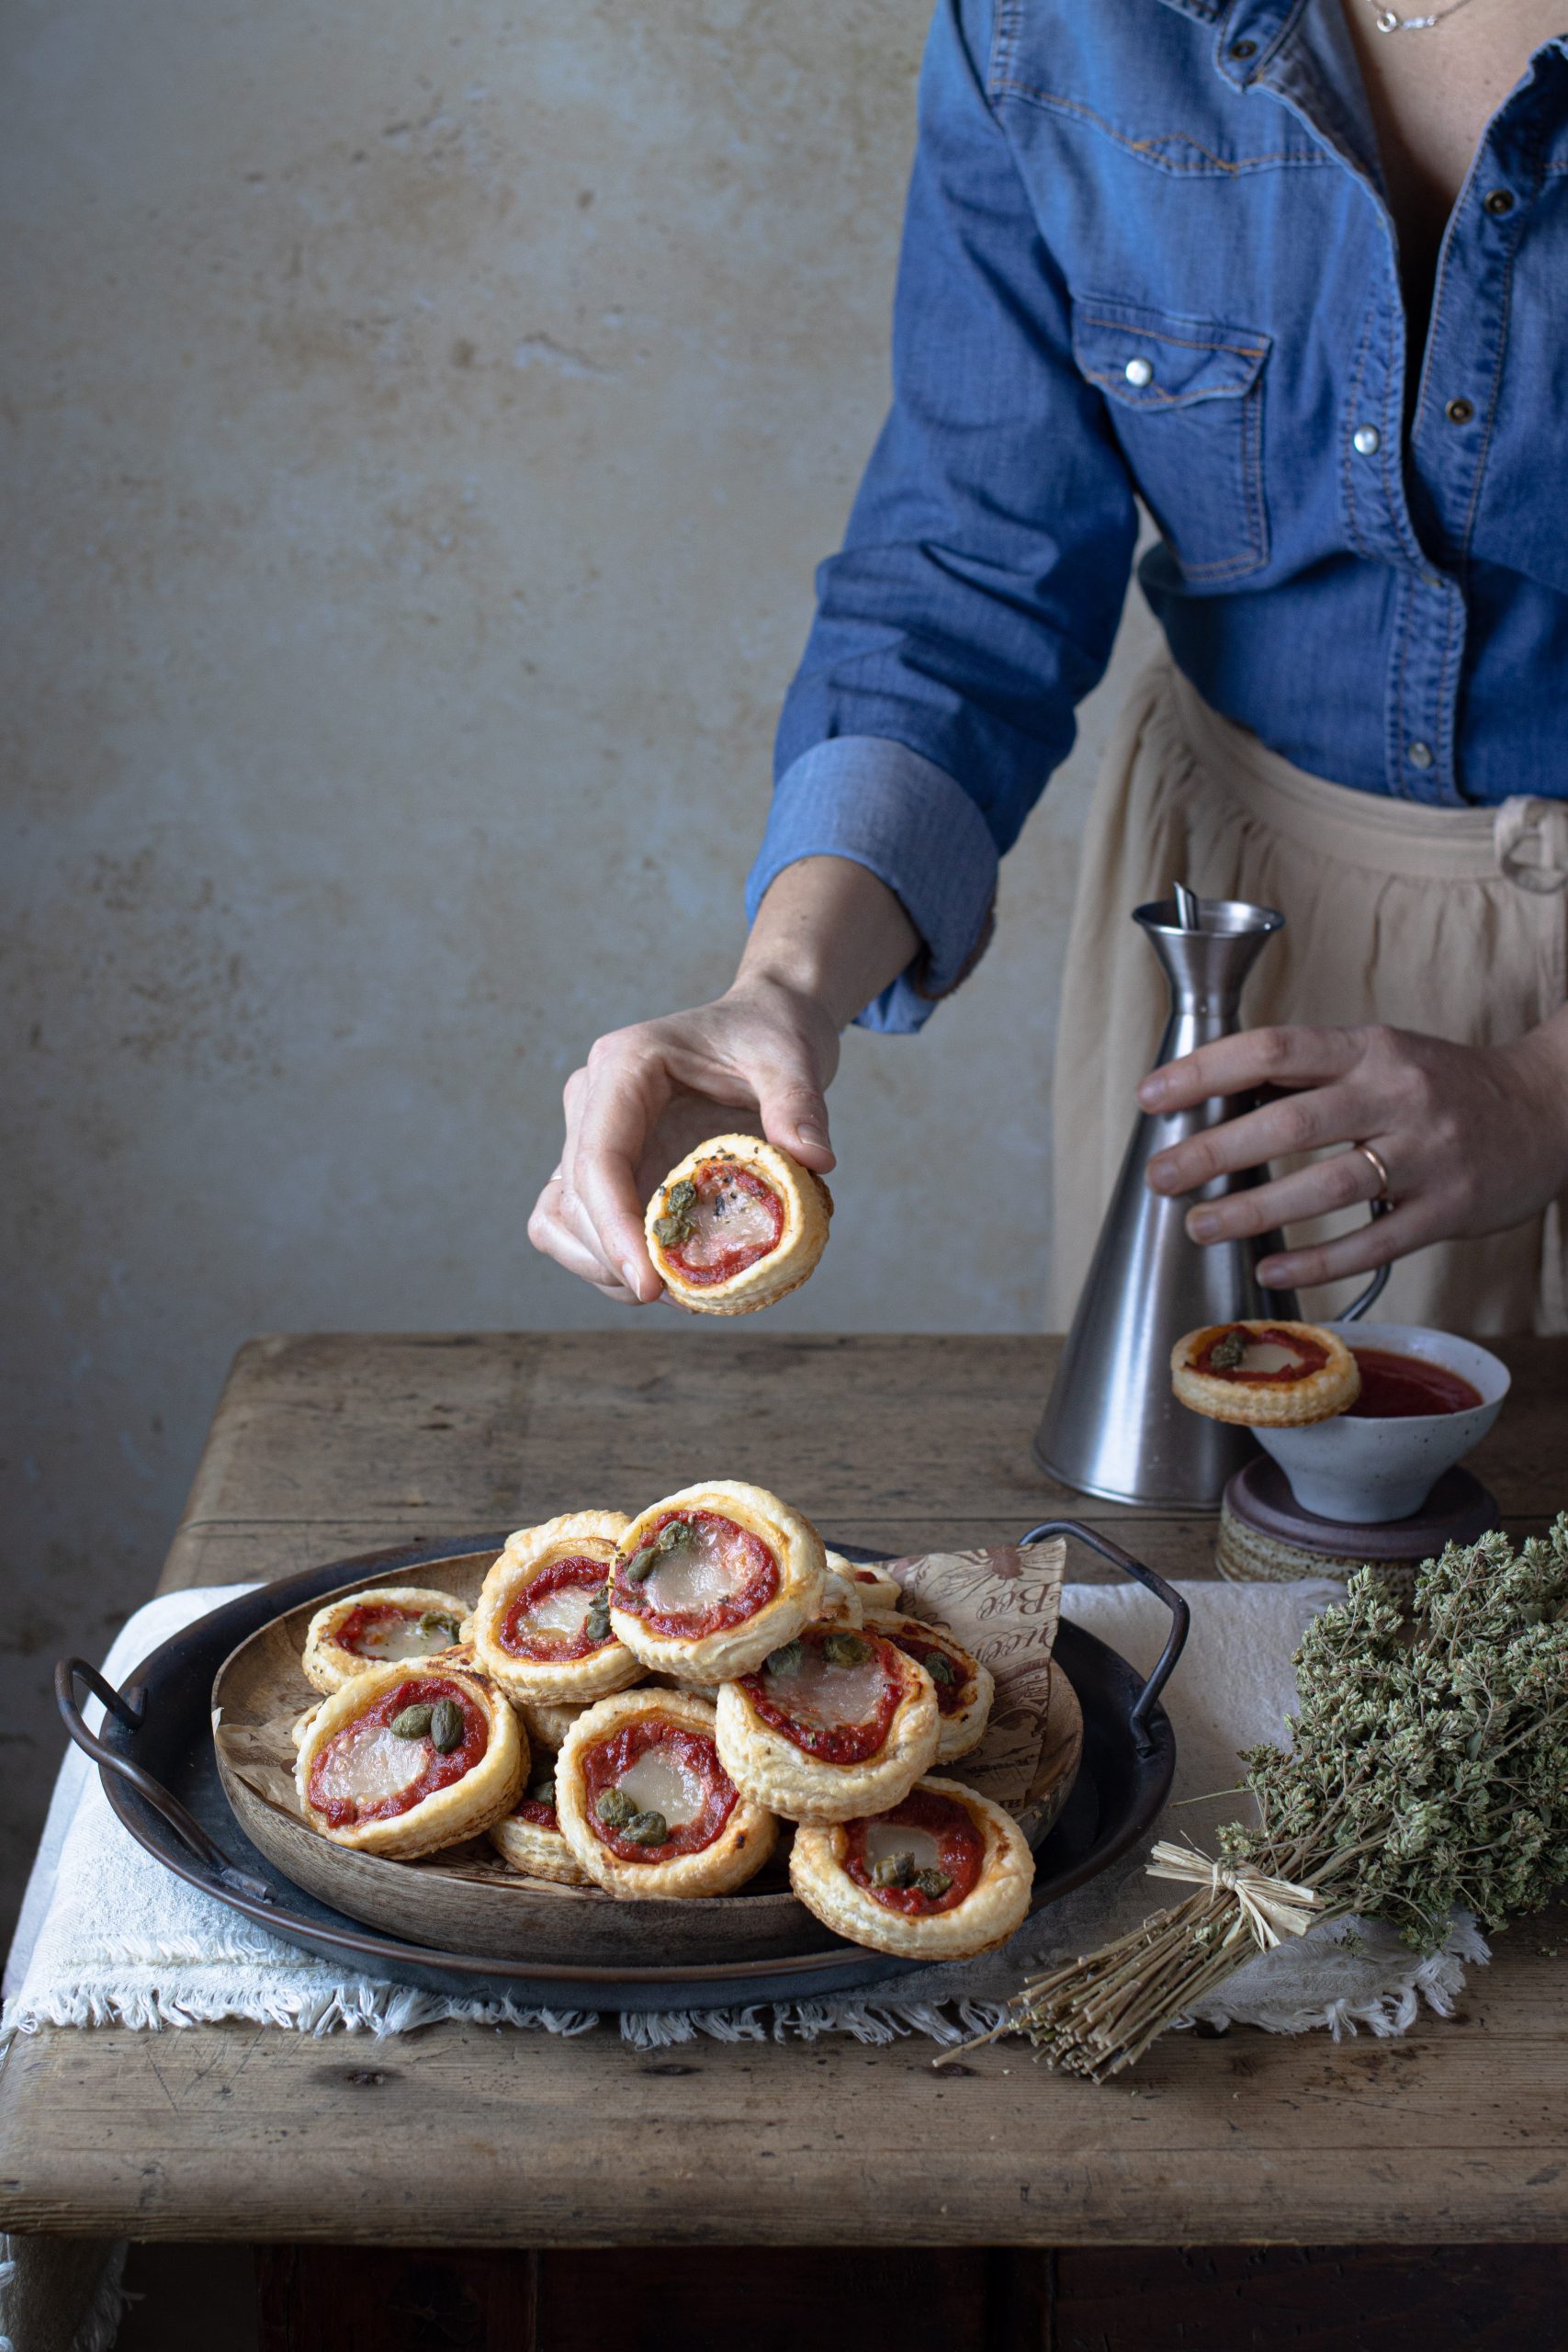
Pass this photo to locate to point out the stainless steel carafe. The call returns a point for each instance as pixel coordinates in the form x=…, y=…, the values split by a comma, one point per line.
x=1111, y=1426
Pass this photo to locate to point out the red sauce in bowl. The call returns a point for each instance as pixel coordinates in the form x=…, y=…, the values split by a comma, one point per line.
x=1397, y=1387
x=961, y=1850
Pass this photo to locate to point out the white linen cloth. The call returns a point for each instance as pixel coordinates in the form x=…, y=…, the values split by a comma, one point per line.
x=107, y=1936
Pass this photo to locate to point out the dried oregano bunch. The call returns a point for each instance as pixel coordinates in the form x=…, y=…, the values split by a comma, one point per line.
x=1429, y=1770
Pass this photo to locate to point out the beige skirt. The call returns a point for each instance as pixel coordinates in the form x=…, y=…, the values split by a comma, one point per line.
x=1453, y=922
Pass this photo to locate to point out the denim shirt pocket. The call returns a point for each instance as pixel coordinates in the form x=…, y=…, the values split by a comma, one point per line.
x=1185, y=397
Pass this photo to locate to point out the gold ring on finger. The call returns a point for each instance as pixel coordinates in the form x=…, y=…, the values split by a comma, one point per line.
x=1379, y=1167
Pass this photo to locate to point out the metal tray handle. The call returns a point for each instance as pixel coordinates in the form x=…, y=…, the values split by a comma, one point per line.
x=1180, y=1615
x=128, y=1708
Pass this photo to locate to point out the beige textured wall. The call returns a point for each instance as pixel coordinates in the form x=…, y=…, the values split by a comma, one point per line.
x=422, y=423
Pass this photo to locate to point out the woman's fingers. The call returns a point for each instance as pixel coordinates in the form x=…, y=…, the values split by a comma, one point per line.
x=1288, y=1056
x=1295, y=1122
x=608, y=1125
x=1335, y=1183
x=554, y=1231
x=794, y=1116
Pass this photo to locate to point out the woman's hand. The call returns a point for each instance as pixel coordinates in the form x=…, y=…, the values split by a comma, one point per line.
x=828, y=937
x=1474, y=1140
x=759, y=1060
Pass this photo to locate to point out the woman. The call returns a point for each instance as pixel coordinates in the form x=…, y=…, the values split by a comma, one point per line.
x=1297, y=277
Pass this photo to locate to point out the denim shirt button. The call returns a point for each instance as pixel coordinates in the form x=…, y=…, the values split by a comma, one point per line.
x=1366, y=440
x=1420, y=754
x=1460, y=411
x=1497, y=201
x=1139, y=372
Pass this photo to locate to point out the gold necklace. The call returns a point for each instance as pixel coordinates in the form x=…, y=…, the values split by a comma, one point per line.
x=1388, y=20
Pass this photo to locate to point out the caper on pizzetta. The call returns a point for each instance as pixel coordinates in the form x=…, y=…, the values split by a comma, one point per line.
x=643, y=1562
x=614, y=1808
x=647, y=1830
x=845, y=1649
x=786, y=1659
x=1226, y=1353
x=941, y=1669
x=596, y=1624
x=412, y=1724
x=447, y=1726
x=435, y=1622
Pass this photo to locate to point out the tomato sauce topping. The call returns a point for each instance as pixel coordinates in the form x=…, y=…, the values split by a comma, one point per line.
x=1395, y=1388
x=386, y=1629
x=535, y=1811
x=1303, y=1356
x=833, y=1694
x=717, y=1222
x=654, y=1775
x=928, y=1833
x=366, y=1772
x=952, y=1679
x=695, y=1573
x=545, y=1621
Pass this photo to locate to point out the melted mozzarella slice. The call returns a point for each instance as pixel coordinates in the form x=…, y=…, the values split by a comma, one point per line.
x=401, y=1637
x=365, y=1765
x=561, y=1611
x=828, y=1695
x=707, y=1567
x=884, y=1839
x=728, y=1217
x=1270, y=1355
x=658, y=1782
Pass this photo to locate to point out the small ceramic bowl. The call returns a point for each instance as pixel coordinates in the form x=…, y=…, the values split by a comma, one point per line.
x=1368, y=1471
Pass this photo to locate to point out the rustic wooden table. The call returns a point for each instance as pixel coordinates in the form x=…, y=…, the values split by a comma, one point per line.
x=457, y=2137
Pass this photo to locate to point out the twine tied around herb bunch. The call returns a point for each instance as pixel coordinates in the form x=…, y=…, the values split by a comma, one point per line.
x=1427, y=1771
x=1269, y=1906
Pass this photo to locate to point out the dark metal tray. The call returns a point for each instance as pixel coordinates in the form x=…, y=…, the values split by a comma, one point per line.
x=155, y=1759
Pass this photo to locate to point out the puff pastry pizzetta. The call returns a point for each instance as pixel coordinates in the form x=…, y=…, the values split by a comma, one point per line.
x=736, y=1226
x=707, y=1582
x=1270, y=1376
x=965, y=1688
x=366, y=1629
x=833, y=1724
x=646, y=1805
x=944, y=1875
x=402, y=1763
x=529, y=1836
x=542, y=1622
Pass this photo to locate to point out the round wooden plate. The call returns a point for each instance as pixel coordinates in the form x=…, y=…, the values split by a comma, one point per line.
x=466, y=1899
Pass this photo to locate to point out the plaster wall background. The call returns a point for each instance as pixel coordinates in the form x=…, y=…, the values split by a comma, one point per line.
x=421, y=423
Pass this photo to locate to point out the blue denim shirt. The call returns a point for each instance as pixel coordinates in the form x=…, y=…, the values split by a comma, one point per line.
x=1147, y=250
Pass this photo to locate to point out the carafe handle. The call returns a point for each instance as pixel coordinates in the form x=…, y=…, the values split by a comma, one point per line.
x=1379, y=1282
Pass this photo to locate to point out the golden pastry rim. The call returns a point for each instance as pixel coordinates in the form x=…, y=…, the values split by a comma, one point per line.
x=993, y=1911
x=535, y=1851
x=523, y=1557
x=885, y=1593
x=326, y=1667
x=736, y=1855
x=1259, y=1404
x=961, y=1733
x=712, y=1659
x=769, y=1768
x=807, y=1213
x=448, y=1816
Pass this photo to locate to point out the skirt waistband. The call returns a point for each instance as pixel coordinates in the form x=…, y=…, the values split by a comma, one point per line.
x=1523, y=840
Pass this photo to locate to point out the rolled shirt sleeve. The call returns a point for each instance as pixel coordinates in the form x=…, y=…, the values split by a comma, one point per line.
x=976, y=599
